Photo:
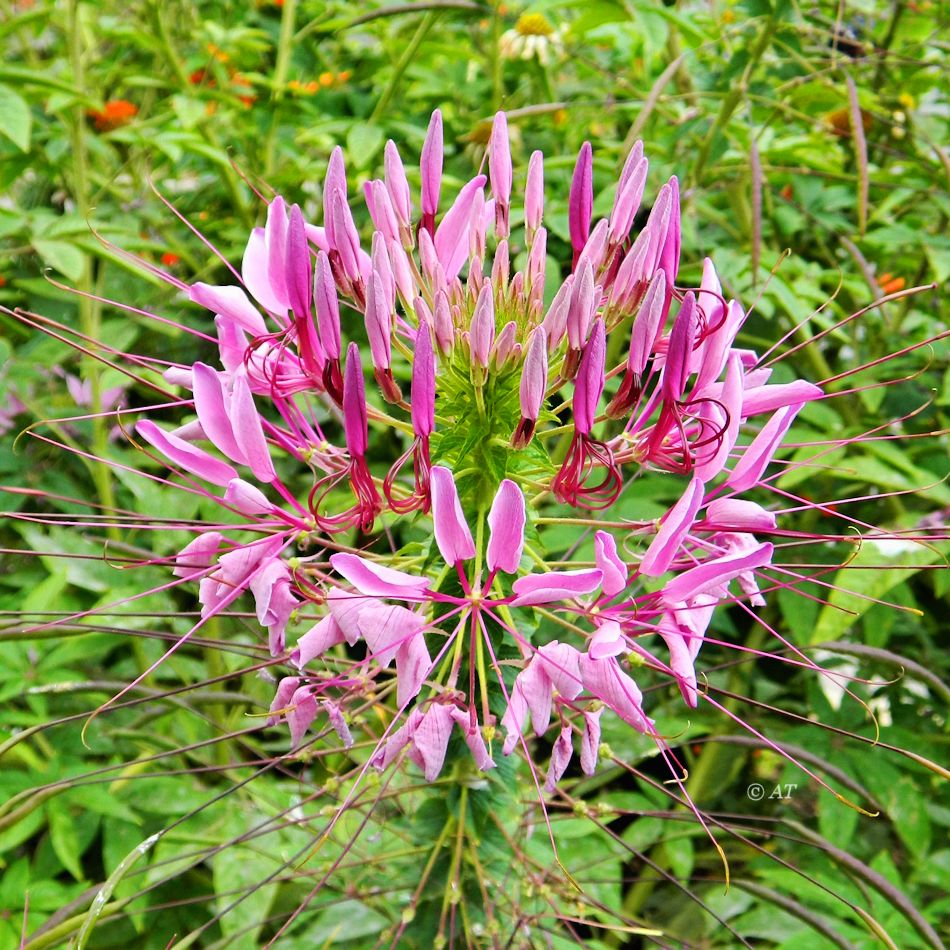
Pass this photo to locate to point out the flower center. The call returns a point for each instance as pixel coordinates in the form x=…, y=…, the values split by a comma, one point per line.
x=533, y=24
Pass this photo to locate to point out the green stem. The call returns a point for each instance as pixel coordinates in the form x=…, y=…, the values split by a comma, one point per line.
x=731, y=101
x=89, y=309
x=403, y=63
x=285, y=45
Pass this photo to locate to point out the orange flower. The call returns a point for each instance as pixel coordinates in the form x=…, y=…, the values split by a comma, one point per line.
x=303, y=88
x=3, y=281
x=115, y=112
x=201, y=77
x=890, y=284
x=248, y=98
x=325, y=80
x=169, y=259
x=218, y=53
x=786, y=192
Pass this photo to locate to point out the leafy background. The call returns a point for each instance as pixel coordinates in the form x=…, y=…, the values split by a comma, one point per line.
x=755, y=105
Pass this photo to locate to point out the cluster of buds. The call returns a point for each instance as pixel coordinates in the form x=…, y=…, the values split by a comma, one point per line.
x=506, y=418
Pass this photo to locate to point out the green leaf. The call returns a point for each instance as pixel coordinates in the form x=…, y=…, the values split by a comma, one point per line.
x=63, y=837
x=16, y=120
x=363, y=141
x=877, y=567
x=62, y=256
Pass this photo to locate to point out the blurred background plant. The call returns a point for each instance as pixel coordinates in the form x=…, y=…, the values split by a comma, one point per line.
x=816, y=128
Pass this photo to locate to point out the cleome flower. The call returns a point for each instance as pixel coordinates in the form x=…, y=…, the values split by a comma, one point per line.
x=504, y=414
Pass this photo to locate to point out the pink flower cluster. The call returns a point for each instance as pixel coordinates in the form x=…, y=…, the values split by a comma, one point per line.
x=444, y=313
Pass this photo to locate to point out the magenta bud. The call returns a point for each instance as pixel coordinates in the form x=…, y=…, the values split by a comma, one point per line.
x=354, y=404
x=680, y=350
x=482, y=331
x=442, y=322
x=555, y=320
x=581, y=199
x=383, y=270
x=334, y=181
x=501, y=266
x=422, y=398
x=589, y=383
x=537, y=263
x=381, y=209
x=397, y=184
x=670, y=253
x=581, y=307
x=627, y=200
x=504, y=343
x=327, y=305
x=534, y=193
x=595, y=250
x=402, y=272
x=534, y=378
x=344, y=238
x=500, y=172
x=430, y=168
x=378, y=320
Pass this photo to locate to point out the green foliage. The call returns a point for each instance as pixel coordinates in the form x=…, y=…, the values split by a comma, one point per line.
x=204, y=830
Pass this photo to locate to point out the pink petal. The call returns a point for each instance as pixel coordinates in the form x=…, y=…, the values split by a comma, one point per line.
x=413, y=665
x=589, y=383
x=211, y=405
x=230, y=302
x=581, y=199
x=247, y=498
x=559, y=661
x=386, y=628
x=506, y=522
x=552, y=586
x=451, y=237
x=681, y=663
x=345, y=609
x=285, y=689
x=679, y=354
x=609, y=563
x=452, y=534
x=431, y=739
x=195, y=461
x=256, y=276
x=607, y=641
x=757, y=455
x=473, y=739
x=768, y=398
x=561, y=754
x=423, y=383
x=326, y=633
x=248, y=432
x=714, y=573
x=590, y=742
x=606, y=681
x=198, y=555
x=674, y=528
x=731, y=400
x=302, y=712
x=377, y=580
x=736, y=515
